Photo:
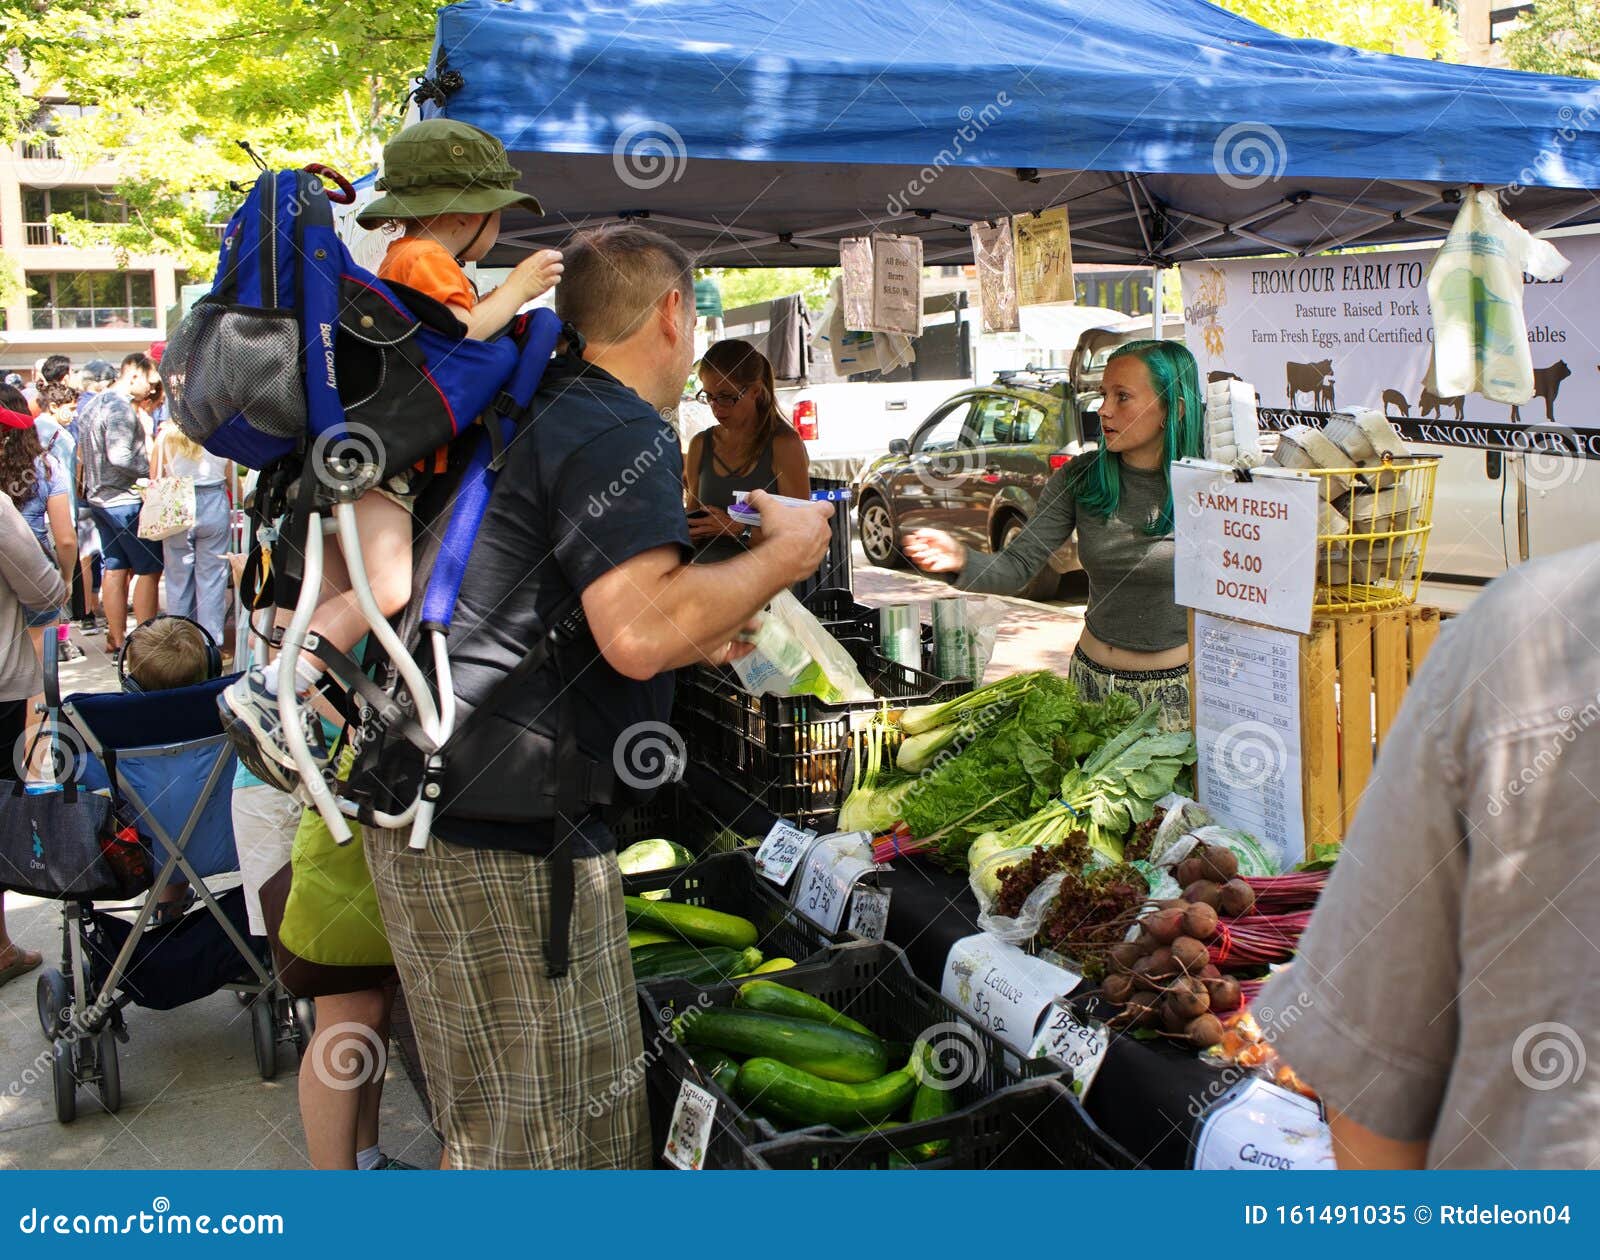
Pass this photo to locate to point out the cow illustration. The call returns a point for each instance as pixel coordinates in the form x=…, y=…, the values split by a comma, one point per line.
x=1315, y=379
x=1394, y=400
x=1213, y=377
x=1430, y=403
x=1546, y=385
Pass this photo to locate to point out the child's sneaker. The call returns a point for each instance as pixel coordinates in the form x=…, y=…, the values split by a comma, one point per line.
x=250, y=717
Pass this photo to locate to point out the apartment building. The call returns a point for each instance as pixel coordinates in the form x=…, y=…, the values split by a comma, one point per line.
x=82, y=303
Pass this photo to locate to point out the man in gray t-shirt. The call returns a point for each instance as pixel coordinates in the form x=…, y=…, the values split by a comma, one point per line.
x=1446, y=1000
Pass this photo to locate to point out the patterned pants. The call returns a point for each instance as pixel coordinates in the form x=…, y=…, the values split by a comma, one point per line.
x=1169, y=686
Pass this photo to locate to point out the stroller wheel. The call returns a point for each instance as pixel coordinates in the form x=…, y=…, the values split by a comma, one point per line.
x=65, y=1080
x=54, y=994
x=110, y=1070
x=305, y=1022
x=263, y=1029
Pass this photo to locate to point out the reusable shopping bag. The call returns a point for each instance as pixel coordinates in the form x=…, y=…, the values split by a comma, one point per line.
x=168, y=508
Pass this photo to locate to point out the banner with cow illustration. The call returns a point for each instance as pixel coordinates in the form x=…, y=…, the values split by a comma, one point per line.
x=1315, y=334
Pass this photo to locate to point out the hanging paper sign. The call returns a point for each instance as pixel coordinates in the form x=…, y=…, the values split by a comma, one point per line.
x=1002, y=989
x=782, y=850
x=1264, y=1127
x=897, y=285
x=856, y=276
x=689, y=1134
x=1079, y=1043
x=831, y=869
x=996, y=258
x=1043, y=244
x=869, y=912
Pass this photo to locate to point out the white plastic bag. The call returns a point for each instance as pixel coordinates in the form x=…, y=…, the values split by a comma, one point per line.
x=795, y=656
x=983, y=625
x=1480, y=339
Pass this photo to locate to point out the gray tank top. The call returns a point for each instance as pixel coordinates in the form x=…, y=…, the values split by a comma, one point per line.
x=715, y=489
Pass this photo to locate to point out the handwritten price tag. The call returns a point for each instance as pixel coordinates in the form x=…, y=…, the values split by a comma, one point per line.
x=869, y=912
x=690, y=1132
x=782, y=850
x=1080, y=1044
x=1260, y=1126
x=1003, y=989
x=832, y=868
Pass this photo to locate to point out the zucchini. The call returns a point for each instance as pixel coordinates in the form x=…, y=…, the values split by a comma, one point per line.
x=646, y=856
x=929, y=1103
x=692, y=923
x=780, y=999
x=800, y=1098
x=773, y=964
x=836, y=1054
x=640, y=937
x=721, y=1068
x=700, y=964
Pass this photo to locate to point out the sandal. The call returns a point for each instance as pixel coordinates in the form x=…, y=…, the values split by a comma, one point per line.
x=23, y=961
x=167, y=912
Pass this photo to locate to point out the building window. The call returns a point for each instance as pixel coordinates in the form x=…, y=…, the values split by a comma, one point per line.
x=91, y=299
x=39, y=143
x=94, y=205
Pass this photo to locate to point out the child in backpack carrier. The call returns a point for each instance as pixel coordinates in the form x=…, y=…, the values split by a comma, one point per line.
x=445, y=185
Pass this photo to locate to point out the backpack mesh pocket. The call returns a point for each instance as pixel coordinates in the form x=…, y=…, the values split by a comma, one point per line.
x=224, y=360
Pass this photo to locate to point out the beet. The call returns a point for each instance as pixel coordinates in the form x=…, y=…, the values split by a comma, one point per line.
x=1172, y=1017
x=1224, y=994
x=1124, y=954
x=1204, y=1032
x=1221, y=864
x=1118, y=988
x=1200, y=921
x=1236, y=898
x=1189, y=999
x=1164, y=925
x=1162, y=964
x=1210, y=972
x=1206, y=892
x=1188, y=871
x=1190, y=955
x=1143, y=1009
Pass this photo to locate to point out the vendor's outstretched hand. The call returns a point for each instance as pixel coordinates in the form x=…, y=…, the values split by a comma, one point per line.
x=934, y=551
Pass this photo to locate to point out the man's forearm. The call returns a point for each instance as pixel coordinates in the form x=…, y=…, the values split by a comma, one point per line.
x=705, y=605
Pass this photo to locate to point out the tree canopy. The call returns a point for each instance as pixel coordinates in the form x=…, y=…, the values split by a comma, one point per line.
x=1557, y=37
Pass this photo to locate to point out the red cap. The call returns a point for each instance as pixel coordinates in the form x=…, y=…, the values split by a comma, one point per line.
x=15, y=419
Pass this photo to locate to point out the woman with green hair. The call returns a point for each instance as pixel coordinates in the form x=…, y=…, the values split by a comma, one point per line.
x=1119, y=502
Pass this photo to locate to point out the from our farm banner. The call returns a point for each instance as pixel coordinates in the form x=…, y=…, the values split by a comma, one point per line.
x=1315, y=334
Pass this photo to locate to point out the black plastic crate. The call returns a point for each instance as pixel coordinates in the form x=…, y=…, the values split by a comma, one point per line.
x=678, y=812
x=835, y=569
x=1035, y=1125
x=731, y=883
x=872, y=983
x=791, y=753
x=844, y=617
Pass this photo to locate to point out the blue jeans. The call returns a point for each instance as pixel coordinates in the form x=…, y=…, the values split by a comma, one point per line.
x=197, y=563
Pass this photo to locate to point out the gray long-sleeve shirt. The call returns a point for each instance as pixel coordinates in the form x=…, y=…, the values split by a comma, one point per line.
x=112, y=450
x=28, y=579
x=1131, y=603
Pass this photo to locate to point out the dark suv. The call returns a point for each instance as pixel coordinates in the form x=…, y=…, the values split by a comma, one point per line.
x=976, y=468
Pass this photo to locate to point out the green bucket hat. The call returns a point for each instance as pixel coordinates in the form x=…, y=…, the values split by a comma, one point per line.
x=442, y=166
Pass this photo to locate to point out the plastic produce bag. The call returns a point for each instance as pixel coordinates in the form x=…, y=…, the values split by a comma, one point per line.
x=795, y=656
x=983, y=625
x=1475, y=287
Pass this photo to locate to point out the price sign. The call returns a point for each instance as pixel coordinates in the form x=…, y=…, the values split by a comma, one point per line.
x=869, y=912
x=831, y=869
x=782, y=850
x=1263, y=1127
x=1080, y=1044
x=1245, y=549
x=1003, y=989
x=689, y=1134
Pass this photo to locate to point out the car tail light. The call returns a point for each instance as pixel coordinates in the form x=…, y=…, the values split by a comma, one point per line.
x=805, y=419
x=1059, y=460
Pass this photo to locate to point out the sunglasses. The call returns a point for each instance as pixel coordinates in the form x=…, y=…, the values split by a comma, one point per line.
x=720, y=400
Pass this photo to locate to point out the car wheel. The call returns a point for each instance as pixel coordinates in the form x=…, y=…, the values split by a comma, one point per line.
x=1043, y=584
x=878, y=539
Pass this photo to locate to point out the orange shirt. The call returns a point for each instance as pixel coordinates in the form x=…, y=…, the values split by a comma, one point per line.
x=427, y=267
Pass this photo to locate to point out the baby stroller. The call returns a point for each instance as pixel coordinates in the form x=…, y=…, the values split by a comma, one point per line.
x=169, y=770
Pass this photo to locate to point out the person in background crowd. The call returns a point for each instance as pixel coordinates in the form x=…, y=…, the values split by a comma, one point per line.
x=751, y=447
x=508, y=931
x=53, y=369
x=97, y=377
x=114, y=456
x=1427, y=1004
x=57, y=402
x=27, y=580
x=1119, y=501
x=196, y=561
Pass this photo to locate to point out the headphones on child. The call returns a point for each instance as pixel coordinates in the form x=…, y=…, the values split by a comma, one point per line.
x=213, y=653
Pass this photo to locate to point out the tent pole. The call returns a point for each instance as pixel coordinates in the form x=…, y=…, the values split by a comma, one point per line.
x=1155, y=302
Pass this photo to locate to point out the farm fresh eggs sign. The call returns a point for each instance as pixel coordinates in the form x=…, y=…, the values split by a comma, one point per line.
x=1315, y=334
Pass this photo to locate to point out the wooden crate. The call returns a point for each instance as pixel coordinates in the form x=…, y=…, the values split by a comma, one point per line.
x=1354, y=672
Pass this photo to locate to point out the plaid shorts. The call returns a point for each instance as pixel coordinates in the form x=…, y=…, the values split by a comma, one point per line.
x=523, y=1071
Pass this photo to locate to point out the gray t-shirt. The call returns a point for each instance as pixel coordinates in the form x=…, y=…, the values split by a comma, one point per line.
x=1447, y=989
x=1131, y=604
x=112, y=450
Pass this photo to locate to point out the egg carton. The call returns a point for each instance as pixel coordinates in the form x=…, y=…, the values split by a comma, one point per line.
x=1305, y=449
x=1366, y=437
x=1232, y=424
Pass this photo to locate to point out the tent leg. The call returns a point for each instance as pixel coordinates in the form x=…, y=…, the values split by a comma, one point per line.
x=1155, y=302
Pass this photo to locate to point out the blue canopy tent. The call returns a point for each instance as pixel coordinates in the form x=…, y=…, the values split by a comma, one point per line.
x=761, y=134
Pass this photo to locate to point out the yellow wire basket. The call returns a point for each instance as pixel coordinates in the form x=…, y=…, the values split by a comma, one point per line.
x=1372, y=534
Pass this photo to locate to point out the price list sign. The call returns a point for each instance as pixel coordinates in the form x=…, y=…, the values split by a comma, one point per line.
x=1247, y=730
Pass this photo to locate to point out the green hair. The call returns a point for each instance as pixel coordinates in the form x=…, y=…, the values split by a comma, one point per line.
x=1175, y=377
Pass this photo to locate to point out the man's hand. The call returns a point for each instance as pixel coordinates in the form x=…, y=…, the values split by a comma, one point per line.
x=799, y=533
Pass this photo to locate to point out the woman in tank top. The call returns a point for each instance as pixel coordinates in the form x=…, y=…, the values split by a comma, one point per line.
x=751, y=447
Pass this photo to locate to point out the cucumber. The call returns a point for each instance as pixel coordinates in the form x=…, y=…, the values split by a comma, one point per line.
x=836, y=1054
x=641, y=937
x=780, y=999
x=693, y=923
x=800, y=1098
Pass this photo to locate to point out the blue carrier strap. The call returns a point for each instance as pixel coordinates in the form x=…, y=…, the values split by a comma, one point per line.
x=477, y=481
